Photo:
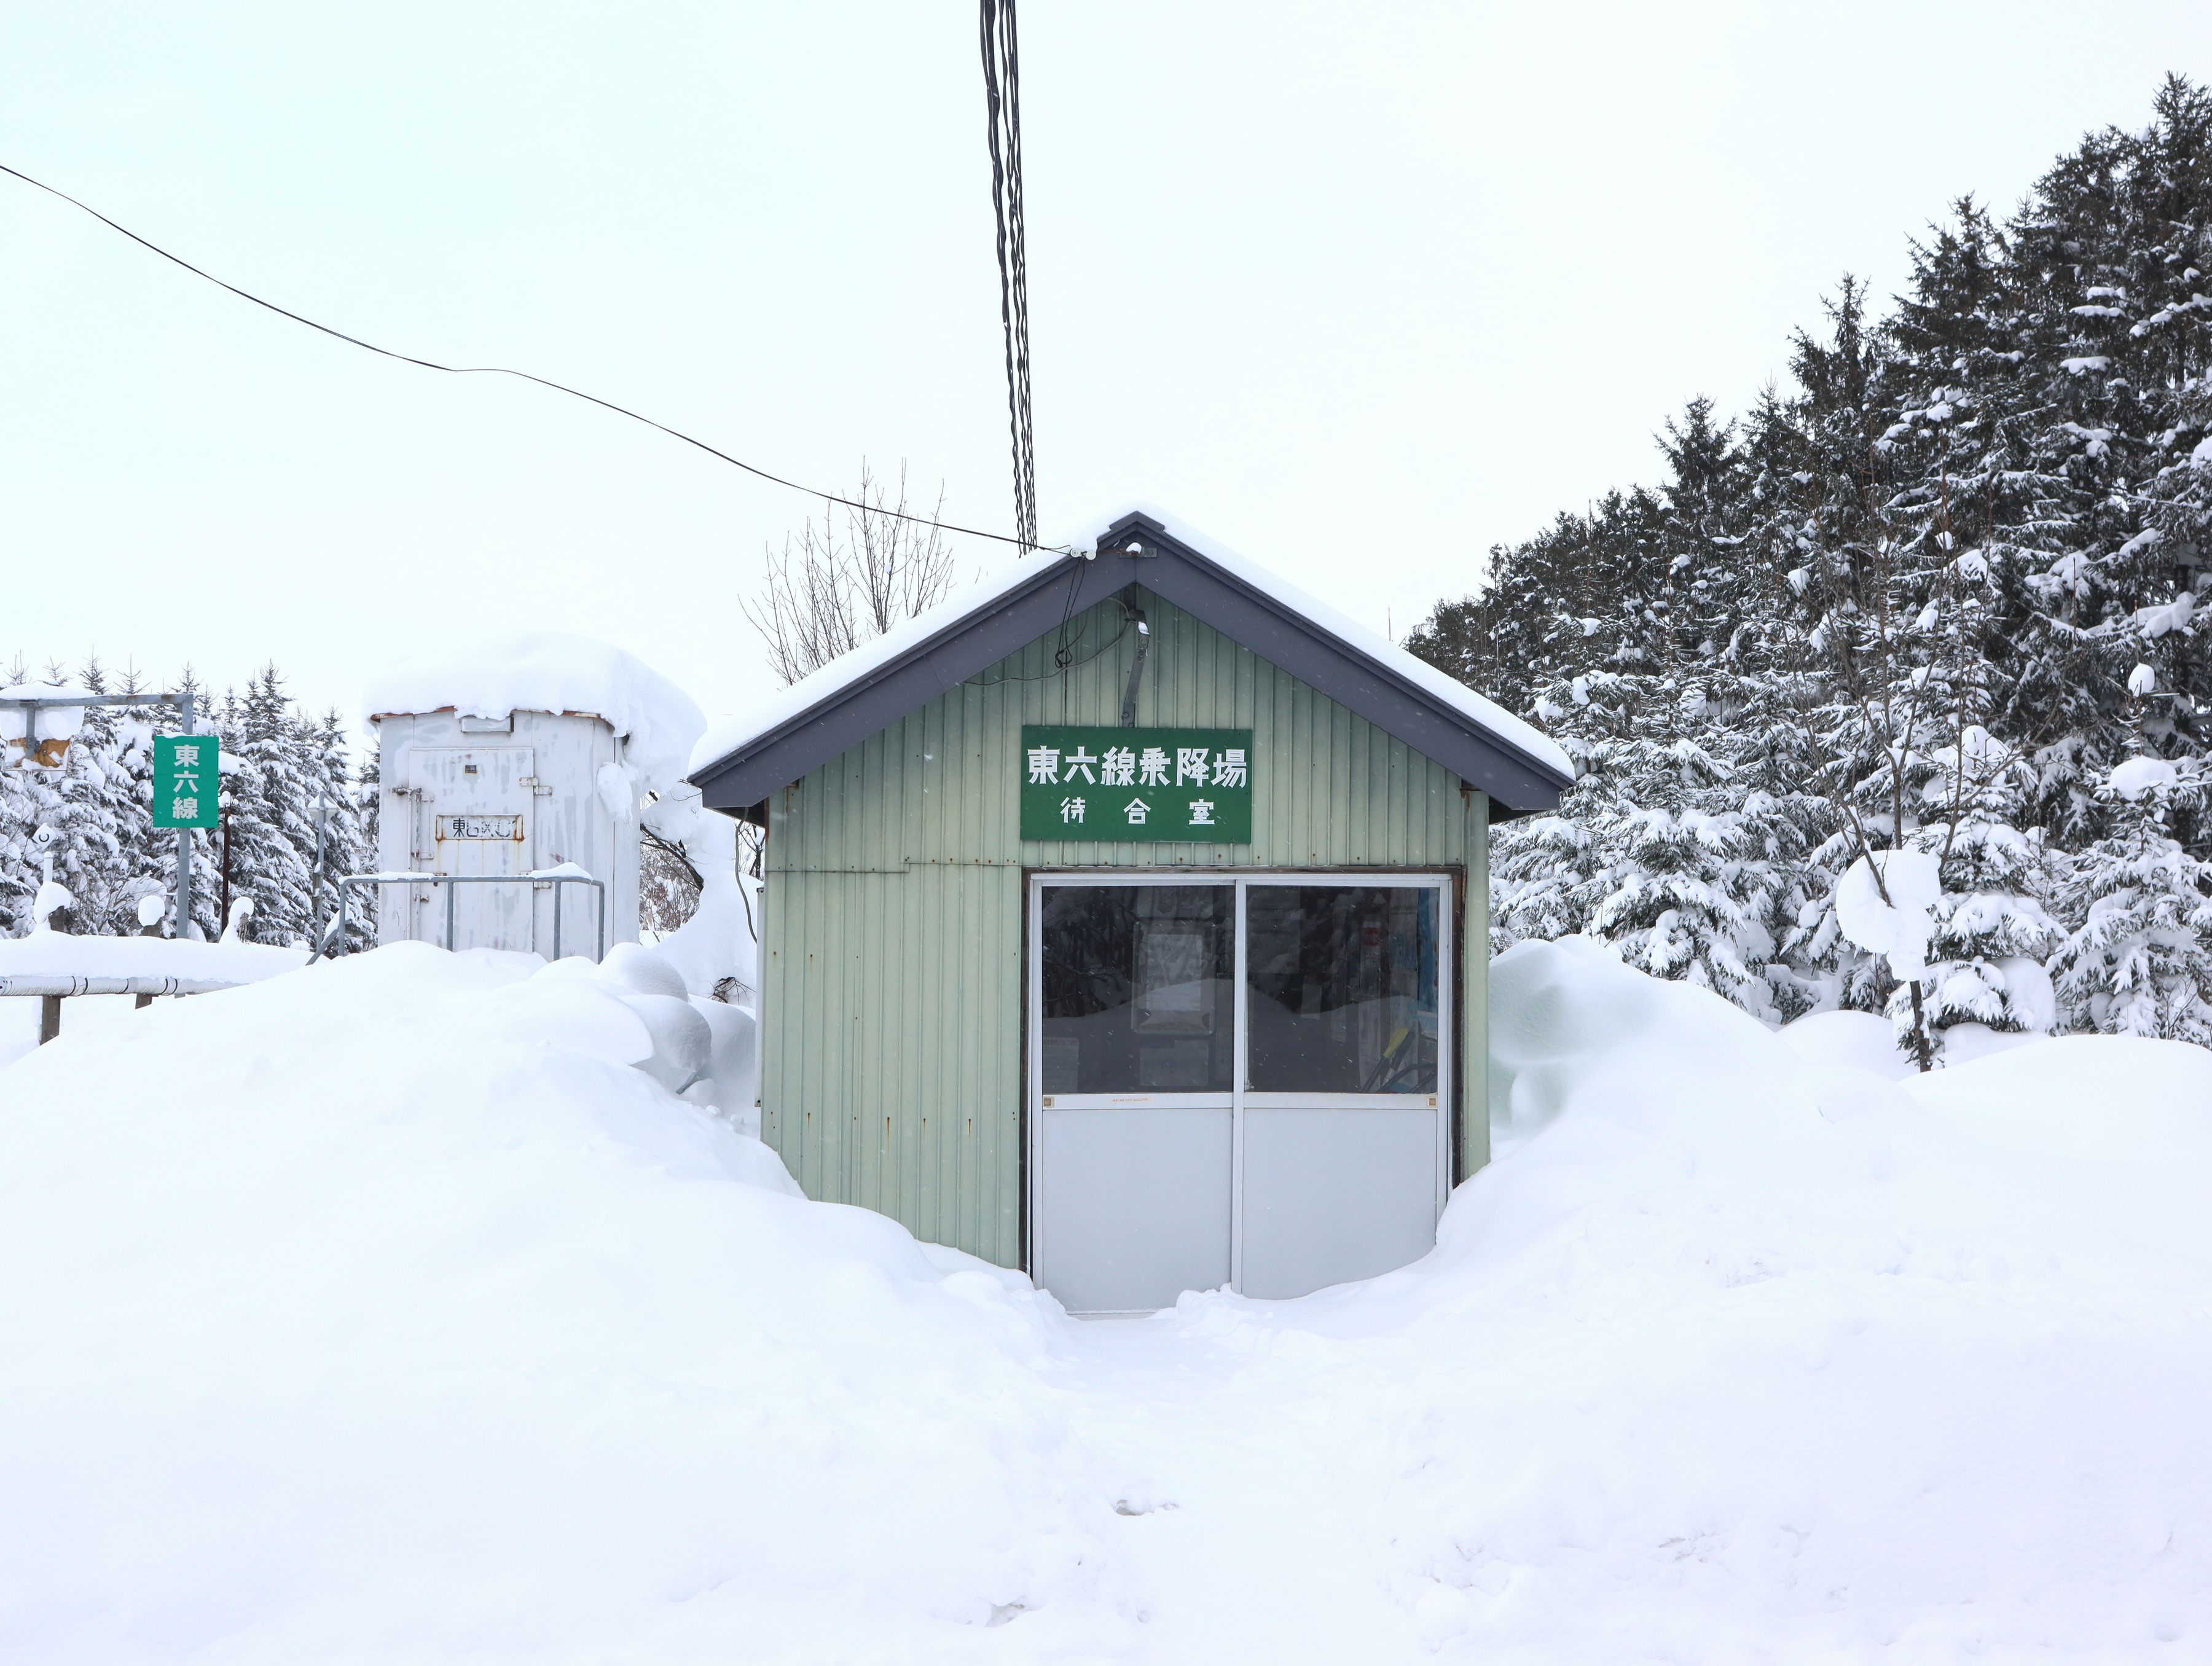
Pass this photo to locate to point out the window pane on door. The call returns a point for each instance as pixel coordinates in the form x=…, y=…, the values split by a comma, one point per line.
x=1342, y=989
x=1139, y=989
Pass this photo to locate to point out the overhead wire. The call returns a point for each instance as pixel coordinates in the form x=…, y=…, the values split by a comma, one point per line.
x=1025, y=538
x=1002, y=88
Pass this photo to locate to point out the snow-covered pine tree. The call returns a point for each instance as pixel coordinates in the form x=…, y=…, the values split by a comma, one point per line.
x=103, y=816
x=131, y=760
x=79, y=808
x=348, y=846
x=1861, y=626
x=1676, y=876
x=1964, y=477
x=271, y=780
x=1993, y=931
x=2139, y=960
x=2109, y=258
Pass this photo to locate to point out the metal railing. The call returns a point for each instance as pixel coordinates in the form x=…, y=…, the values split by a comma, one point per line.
x=347, y=885
x=49, y=989
x=55, y=985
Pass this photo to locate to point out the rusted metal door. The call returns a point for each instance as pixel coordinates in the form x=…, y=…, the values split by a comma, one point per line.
x=473, y=815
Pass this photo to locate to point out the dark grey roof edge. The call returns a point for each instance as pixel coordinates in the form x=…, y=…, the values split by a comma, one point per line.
x=1385, y=696
x=944, y=660
x=1516, y=783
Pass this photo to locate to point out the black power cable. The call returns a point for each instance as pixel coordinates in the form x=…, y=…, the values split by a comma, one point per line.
x=1002, y=97
x=1027, y=531
x=1064, y=659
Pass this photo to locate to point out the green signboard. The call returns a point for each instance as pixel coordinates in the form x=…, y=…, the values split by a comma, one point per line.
x=1121, y=785
x=187, y=780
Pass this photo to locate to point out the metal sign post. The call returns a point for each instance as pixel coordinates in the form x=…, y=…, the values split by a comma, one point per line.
x=187, y=795
x=323, y=808
x=186, y=716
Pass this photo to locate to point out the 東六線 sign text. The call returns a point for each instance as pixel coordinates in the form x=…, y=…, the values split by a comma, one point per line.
x=187, y=780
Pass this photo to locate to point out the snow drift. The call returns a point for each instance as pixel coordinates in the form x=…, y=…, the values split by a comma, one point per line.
x=383, y=1311
x=387, y=1310
x=1740, y=1358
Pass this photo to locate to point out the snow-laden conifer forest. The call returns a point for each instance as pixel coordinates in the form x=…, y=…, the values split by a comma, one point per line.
x=1947, y=590
x=279, y=763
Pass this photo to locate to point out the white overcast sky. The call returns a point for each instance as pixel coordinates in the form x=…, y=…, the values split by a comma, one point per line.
x=1359, y=289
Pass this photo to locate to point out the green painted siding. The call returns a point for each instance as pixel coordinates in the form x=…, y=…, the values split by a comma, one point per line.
x=891, y=1045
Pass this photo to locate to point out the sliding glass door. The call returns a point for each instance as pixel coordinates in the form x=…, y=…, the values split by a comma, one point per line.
x=1134, y=1042
x=1341, y=1128
x=1236, y=1082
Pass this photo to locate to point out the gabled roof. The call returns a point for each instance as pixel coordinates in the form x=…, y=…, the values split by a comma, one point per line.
x=741, y=760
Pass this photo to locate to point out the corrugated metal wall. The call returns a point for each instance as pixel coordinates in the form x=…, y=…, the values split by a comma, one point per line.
x=891, y=1030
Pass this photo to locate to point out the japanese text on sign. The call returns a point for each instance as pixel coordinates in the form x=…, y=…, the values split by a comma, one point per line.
x=1151, y=784
x=187, y=780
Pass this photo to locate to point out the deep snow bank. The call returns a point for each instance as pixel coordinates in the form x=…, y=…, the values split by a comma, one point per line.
x=1739, y=1358
x=383, y=1311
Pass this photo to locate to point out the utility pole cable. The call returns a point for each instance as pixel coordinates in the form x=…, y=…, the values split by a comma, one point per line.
x=1002, y=91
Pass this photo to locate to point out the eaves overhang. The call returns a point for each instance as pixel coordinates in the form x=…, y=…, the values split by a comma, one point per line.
x=1237, y=603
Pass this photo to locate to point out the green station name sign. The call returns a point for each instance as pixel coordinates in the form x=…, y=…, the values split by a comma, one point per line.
x=1137, y=784
x=187, y=780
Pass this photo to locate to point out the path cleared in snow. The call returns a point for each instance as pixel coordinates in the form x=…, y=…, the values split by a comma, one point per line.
x=387, y=1310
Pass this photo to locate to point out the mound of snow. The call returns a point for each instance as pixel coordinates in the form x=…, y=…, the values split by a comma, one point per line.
x=384, y=1311
x=1742, y=1357
x=387, y=1310
x=549, y=671
x=1849, y=1041
x=1867, y=1041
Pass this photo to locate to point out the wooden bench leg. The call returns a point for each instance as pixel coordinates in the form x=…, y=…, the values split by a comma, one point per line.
x=49, y=1018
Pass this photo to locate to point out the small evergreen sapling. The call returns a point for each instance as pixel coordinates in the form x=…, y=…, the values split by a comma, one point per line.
x=2140, y=960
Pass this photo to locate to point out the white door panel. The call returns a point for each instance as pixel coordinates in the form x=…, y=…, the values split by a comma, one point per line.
x=474, y=815
x=1334, y=1194
x=1136, y=1202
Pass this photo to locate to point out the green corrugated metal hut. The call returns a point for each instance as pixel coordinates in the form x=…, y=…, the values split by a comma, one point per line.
x=1126, y=922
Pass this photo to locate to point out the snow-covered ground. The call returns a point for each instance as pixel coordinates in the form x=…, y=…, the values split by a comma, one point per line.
x=384, y=1311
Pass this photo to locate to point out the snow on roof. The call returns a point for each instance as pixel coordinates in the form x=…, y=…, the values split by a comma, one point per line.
x=547, y=671
x=726, y=735
x=1491, y=716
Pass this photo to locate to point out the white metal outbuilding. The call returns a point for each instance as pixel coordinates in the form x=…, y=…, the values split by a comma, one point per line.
x=491, y=799
x=513, y=771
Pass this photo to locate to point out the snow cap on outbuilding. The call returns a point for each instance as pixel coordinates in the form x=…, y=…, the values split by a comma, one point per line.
x=741, y=760
x=550, y=671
